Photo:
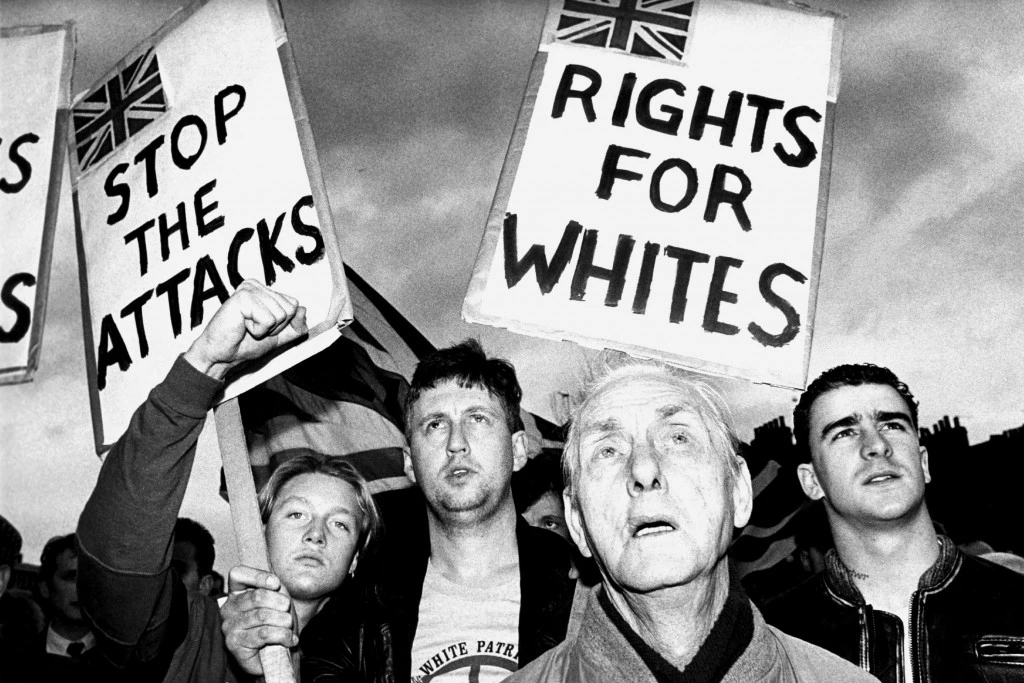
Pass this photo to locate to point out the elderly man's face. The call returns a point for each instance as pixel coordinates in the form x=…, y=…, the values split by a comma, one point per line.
x=656, y=503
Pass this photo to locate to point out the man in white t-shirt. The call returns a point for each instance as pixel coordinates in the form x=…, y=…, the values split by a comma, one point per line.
x=481, y=593
x=486, y=643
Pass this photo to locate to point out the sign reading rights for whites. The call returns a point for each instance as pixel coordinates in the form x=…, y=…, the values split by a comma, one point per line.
x=34, y=97
x=665, y=189
x=194, y=169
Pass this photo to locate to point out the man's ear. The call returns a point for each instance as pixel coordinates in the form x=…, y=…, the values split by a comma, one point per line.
x=809, y=481
x=206, y=585
x=742, y=496
x=574, y=520
x=519, y=453
x=924, y=465
x=5, y=577
x=44, y=589
x=407, y=460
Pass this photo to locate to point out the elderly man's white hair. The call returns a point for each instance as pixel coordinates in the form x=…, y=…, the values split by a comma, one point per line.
x=705, y=401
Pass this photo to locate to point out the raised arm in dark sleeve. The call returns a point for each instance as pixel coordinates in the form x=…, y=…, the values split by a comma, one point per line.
x=141, y=615
x=136, y=605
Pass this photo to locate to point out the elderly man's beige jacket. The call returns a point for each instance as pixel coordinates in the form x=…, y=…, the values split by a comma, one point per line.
x=599, y=652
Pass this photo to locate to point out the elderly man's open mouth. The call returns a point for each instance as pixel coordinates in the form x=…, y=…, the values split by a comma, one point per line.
x=650, y=526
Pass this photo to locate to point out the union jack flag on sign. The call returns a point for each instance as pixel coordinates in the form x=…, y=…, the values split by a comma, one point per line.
x=117, y=110
x=649, y=28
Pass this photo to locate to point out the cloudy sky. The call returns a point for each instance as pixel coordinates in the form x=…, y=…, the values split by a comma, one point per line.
x=412, y=105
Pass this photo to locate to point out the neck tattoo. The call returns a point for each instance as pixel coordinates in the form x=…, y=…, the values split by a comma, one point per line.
x=853, y=573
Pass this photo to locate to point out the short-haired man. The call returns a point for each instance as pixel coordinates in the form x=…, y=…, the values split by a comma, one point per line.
x=67, y=632
x=655, y=489
x=489, y=592
x=318, y=516
x=193, y=555
x=895, y=597
x=537, y=492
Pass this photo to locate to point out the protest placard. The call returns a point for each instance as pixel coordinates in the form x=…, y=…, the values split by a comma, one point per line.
x=35, y=91
x=193, y=168
x=665, y=189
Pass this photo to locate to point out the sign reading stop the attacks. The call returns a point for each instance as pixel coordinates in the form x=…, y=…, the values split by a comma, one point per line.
x=34, y=97
x=665, y=189
x=193, y=169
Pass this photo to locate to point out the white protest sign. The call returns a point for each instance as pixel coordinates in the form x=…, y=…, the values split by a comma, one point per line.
x=193, y=169
x=665, y=189
x=35, y=77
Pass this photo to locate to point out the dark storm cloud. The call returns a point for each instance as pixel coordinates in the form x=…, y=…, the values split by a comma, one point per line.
x=414, y=232
x=899, y=121
x=412, y=108
x=411, y=67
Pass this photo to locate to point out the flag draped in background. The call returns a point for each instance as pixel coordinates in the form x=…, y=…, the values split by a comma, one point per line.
x=778, y=500
x=782, y=514
x=345, y=401
x=348, y=400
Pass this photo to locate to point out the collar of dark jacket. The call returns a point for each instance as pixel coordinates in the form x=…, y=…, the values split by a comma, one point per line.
x=543, y=566
x=728, y=639
x=394, y=586
x=546, y=591
x=841, y=582
x=545, y=588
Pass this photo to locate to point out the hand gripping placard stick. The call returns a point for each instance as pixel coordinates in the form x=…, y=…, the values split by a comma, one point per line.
x=245, y=516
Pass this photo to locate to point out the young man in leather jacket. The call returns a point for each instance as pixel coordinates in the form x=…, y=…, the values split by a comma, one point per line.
x=895, y=597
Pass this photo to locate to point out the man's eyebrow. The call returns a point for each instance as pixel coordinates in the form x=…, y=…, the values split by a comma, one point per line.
x=609, y=424
x=475, y=408
x=673, y=409
x=848, y=421
x=301, y=499
x=481, y=407
x=890, y=415
x=430, y=416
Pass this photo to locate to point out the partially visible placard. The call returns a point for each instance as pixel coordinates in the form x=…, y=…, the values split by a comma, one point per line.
x=193, y=168
x=35, y=91
x=666, y=185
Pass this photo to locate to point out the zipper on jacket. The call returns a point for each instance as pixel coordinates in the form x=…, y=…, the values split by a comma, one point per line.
x=866, y=626
x=911, y=633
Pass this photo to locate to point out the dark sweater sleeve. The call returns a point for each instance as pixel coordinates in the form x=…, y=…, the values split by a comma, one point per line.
x=125, y=585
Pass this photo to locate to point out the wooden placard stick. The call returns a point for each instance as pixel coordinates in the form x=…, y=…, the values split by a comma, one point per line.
x=245, y=516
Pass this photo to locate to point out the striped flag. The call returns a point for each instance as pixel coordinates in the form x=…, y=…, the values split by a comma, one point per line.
x=118, y=109
x=780, y=506
x=348, y=400
x=649, y=28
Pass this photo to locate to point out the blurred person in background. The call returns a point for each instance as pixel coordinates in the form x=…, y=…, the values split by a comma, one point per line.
x=193, y=555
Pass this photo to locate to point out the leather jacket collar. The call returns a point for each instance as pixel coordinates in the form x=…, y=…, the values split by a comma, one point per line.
x=840, y=582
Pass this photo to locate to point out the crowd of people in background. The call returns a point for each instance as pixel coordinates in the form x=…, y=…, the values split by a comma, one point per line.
x=44, y=634
x=607, y=562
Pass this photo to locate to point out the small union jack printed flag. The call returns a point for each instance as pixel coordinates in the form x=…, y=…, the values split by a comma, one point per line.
x=650, y=28
x=118, y=109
